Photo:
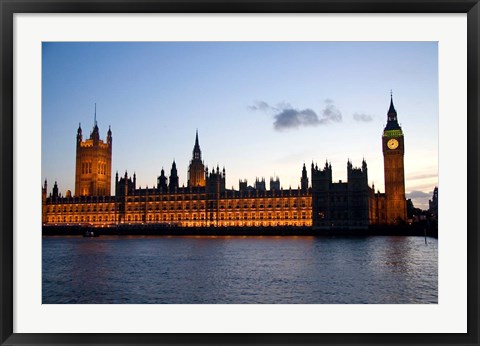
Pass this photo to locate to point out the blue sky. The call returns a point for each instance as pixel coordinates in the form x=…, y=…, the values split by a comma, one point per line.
x=261, y=108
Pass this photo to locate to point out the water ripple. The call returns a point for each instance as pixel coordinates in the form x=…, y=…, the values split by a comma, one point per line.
x=209, y=270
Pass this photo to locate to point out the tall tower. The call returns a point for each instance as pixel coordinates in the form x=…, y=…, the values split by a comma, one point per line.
x=304, y=179
x=93, y=169
x=196, y=170
x=393, y=153
x=173, y=183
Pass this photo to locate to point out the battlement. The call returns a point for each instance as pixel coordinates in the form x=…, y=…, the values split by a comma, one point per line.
x=89, y=144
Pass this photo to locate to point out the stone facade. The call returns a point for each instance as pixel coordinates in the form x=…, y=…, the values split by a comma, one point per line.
x=205, y=202
x=93, y=171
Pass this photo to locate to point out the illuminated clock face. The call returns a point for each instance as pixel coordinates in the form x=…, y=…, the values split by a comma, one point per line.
x=392, y=144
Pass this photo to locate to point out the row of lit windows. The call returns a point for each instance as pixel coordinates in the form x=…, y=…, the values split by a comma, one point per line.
x=264, y=223
x=222, y=216
x=80, y=208
x=184, y=224
x=111, y=208
x=75, y=219
x=167, y=198
x=165, y=206
x=169, y=206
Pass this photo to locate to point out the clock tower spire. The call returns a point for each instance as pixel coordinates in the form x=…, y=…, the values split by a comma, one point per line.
x=196, y=170
x=393, y=163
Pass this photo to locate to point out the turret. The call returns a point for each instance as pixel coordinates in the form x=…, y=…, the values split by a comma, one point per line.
x=79, y=134
x=126, y=183
x=55, y=190
x=260, y=184
x=116, y=184
x=44, y=192
x=304, y=179
x=124, y=186
x=322, y=178
x=215, y=181
x=109, y=136
x=162, y=181
x=349, y=165
x=242, y=185
x=173, y=183
x=275, y=183
x=357, y=174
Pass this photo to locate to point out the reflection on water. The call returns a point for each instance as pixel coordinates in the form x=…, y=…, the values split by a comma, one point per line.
x=197, y=270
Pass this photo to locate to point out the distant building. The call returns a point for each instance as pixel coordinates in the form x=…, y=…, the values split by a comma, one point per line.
x=206, y=202
x=433, y=204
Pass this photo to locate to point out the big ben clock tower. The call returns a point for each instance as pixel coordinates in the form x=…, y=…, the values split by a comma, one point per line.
x=393, y=152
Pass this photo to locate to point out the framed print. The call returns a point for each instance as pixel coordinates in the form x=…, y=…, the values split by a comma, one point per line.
x=239, y=172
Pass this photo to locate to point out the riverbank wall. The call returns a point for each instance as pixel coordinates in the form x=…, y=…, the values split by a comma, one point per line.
x=161, y=230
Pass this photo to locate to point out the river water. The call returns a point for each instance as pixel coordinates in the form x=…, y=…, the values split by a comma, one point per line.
x=237, y=270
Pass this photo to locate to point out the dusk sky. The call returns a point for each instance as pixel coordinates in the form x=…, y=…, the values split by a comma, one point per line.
x=261, y=108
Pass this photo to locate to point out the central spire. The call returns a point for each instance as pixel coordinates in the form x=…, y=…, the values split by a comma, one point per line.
x=392, y=121
x=95, y=135
x=391, y=111
x=197, y=153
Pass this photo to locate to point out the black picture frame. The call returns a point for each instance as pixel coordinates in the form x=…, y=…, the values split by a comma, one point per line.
x=9, y=7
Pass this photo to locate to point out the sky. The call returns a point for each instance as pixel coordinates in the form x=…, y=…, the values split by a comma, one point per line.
x=262, y=109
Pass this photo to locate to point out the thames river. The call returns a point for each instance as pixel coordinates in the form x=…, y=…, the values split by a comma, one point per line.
x=237, y=270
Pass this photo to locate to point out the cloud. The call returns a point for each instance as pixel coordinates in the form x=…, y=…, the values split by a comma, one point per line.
x=422, y=176
x=287, y=117
x=259, y=106
x=293, y=118
x=330, y=113
x=362, y=117
x=418, y=194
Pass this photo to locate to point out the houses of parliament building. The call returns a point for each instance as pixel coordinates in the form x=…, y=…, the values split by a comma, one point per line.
x=206, y=202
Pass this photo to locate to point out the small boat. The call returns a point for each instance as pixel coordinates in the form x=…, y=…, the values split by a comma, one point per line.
x=90, y=234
